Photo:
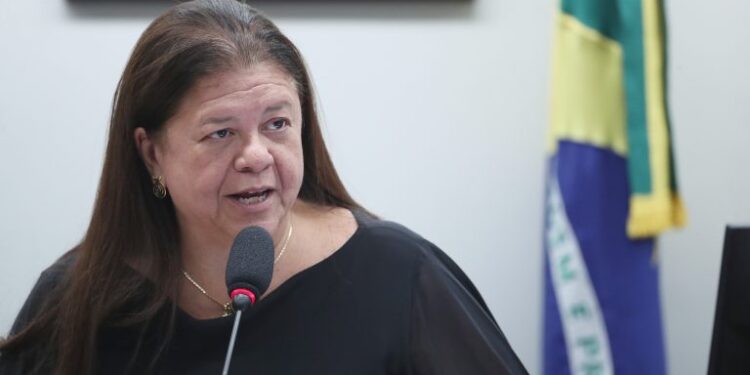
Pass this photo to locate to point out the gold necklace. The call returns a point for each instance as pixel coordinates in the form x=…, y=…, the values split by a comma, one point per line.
x=286, y=242
x=227, y=307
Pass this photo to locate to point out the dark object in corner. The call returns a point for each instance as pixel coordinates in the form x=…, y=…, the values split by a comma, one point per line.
x=730, y=346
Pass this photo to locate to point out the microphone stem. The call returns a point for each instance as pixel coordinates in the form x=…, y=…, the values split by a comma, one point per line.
x=228, y=359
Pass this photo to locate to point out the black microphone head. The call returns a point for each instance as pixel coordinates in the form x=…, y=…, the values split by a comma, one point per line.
x=250, y=263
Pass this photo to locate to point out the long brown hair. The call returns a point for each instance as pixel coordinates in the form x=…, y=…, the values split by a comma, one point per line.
x=129, y=226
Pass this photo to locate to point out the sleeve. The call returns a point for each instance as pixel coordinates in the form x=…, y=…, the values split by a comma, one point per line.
x=45, y=285
x=452, y=330
x=10, y=363
x=30, y=308
x=9, y=366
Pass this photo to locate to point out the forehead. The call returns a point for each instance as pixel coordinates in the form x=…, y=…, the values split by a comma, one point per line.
x=259, y=85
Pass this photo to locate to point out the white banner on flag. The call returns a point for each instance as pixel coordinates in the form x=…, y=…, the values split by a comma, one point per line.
x=585, y=332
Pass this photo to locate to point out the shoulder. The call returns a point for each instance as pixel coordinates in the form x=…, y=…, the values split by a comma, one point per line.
x=390, y=239
x=57, y=272
x=49, y=281
x=394, y=243
x=385, y=230
x=391, y=242
x=394, y=239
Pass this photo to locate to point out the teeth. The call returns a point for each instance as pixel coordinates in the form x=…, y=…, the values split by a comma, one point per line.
x=254, y=199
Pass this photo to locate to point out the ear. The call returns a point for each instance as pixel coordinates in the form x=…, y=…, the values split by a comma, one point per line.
x=147, y=149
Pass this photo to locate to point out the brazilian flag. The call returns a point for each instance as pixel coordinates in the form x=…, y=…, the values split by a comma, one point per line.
x=611, y=189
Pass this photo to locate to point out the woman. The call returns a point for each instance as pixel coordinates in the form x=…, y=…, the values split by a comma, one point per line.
x=214, y=129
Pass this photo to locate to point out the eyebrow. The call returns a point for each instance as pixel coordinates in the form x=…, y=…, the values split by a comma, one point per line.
x=225, y=119
x=277, y=107
x=217, y=120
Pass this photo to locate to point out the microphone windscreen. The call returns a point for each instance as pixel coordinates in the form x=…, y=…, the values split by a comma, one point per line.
x=250, y=263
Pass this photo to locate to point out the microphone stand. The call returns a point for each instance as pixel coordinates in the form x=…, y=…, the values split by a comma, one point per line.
x=240, y=302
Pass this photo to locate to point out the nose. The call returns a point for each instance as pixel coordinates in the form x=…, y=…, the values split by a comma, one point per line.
x=253, y=157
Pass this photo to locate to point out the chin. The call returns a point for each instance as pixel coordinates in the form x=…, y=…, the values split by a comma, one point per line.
x=269, y=225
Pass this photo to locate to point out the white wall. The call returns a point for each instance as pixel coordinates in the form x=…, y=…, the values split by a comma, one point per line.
x=710, y=89
x=435, y=116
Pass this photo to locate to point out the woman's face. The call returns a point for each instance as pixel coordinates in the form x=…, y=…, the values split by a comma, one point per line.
x=231, y=156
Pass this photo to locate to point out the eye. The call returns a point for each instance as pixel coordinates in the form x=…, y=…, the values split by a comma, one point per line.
x=220, y=134
x=277, y=124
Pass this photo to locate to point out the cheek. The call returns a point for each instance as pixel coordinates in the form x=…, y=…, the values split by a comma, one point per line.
x=291, y=168
x=190, y=175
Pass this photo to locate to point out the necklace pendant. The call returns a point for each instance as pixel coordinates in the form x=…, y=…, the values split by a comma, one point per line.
x=228, y=309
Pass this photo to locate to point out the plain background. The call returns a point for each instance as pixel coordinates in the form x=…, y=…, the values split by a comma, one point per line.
x=436, y=118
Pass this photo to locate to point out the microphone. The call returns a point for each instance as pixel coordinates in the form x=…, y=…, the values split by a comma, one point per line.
x=249, y=267
x=248, y=274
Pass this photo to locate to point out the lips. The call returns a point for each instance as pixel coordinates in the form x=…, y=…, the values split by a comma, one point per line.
x=251, y=197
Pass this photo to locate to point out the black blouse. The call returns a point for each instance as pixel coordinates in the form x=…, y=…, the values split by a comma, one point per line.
x=387, y=302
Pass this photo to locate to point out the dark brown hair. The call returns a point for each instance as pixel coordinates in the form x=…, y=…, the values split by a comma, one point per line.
x=129, y=227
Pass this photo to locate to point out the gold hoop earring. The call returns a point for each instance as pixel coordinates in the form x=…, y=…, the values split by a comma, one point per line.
x=159, y=190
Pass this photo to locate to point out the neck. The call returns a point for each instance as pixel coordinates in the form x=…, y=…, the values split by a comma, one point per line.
x=207, y=268
x=205, y=259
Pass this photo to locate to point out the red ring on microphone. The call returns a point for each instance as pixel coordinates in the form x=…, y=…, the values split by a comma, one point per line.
x=246, y=292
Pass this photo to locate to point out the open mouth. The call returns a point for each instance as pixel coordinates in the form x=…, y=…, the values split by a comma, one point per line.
x=249, y=198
